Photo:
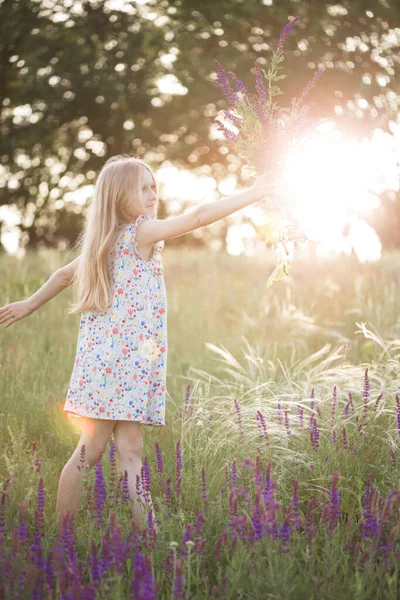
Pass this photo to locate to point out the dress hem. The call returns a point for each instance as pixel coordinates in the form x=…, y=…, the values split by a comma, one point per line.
x=70, y=413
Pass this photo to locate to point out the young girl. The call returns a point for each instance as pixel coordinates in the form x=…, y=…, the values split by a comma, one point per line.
x=118, y=381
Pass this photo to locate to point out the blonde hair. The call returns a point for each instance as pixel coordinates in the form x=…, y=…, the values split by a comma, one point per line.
x=119, y=181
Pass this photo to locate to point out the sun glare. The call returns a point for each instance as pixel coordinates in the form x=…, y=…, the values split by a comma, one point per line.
x=330, y=182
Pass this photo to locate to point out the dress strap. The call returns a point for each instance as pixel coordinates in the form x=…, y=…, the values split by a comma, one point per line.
x=158, y=246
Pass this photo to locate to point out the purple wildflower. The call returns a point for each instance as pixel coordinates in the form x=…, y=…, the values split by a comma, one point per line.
x=377, y=402
x=240, y=87
x=279, y=411
x=366, y=393
x=285, y=32
x=229, y=115
x=312, y=397
x=239, y=414
x=398, y=412
x=300, y=411
x=297, y=103
x=178, y=461
x=334, y=402
x=230, y=136
x=334, y=510
x=168, y=495
x=295, y=503
x=187, y=398
x=225, y=84
x=287, y=421
x=345, y=443
x=221, y=541
x=261, y=94
x=179, y=579
x=160, y=463
x=334, y=436
x=204, y=494
x=261, y=423
x=284, y=532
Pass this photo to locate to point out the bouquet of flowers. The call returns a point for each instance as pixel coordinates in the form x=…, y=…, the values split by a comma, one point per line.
x=264, y=132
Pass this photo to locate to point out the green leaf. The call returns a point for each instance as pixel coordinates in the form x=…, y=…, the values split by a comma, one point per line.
x=281, y=270
x=279, y=77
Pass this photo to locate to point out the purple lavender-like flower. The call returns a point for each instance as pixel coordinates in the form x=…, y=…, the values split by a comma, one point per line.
x=316, y=433
x=377, y=402
x=169, y=565
x=346, y=409
x=99, y=490
x=261, y=94
x=239, y=414
x=334, y=402
x=221, y=541
x=230, y=136
x=284, y=532
x=261, y=423
x=168, y=493
x=279, y=413
x=398, y=412
x=225, y=84
x=147, y=475
x=256, y=518
x=235, y=120
x=351, y=404
x=366, y=393
x=345, y=443
x=312, y=397
x=125, y=487
x=334, y=509
x=148, y=584
x=204, y=494
x=187, y=397
x=300, y=412
x=285, y=32
x=307, y=88
x=370, y=526
x=39, y=512
x=187, y=536
x=334, y=436
x=22, y=531
x=160, y=464
x=178, y=462
x=295, y=504
x=240, y=87
x=287, y=421
x=179, y=579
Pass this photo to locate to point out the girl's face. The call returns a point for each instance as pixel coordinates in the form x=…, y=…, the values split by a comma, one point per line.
x=149, y=196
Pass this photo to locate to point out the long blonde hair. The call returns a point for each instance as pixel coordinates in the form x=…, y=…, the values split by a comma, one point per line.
x=119, y=182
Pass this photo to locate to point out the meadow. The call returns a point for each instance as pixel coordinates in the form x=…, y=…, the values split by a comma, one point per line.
x=276, y=475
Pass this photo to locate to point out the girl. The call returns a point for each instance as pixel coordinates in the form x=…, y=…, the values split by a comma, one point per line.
x=118, y=381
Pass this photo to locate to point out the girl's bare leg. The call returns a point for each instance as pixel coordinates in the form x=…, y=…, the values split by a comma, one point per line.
x=128, y=454
x=95, y=435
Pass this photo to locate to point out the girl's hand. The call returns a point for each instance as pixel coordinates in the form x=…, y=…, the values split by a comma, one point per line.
x=15, y=312
x=267, y=184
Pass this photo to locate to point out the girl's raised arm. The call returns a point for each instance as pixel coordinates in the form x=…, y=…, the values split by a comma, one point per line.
x=19, y=310
x=155, y=230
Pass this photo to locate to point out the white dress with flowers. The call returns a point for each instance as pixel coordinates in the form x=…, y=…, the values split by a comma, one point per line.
x=121, y=354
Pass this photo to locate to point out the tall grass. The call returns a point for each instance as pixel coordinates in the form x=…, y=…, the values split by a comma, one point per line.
x=276, y=475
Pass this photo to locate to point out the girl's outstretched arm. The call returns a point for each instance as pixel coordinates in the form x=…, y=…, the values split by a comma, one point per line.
x=19, y=310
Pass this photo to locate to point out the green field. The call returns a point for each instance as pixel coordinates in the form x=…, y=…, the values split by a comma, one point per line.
x=242, y=349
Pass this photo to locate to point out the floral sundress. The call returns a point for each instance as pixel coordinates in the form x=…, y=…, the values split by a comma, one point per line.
x=121, y=354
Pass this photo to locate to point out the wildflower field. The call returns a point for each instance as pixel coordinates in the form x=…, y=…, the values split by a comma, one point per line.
x=277, y=473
